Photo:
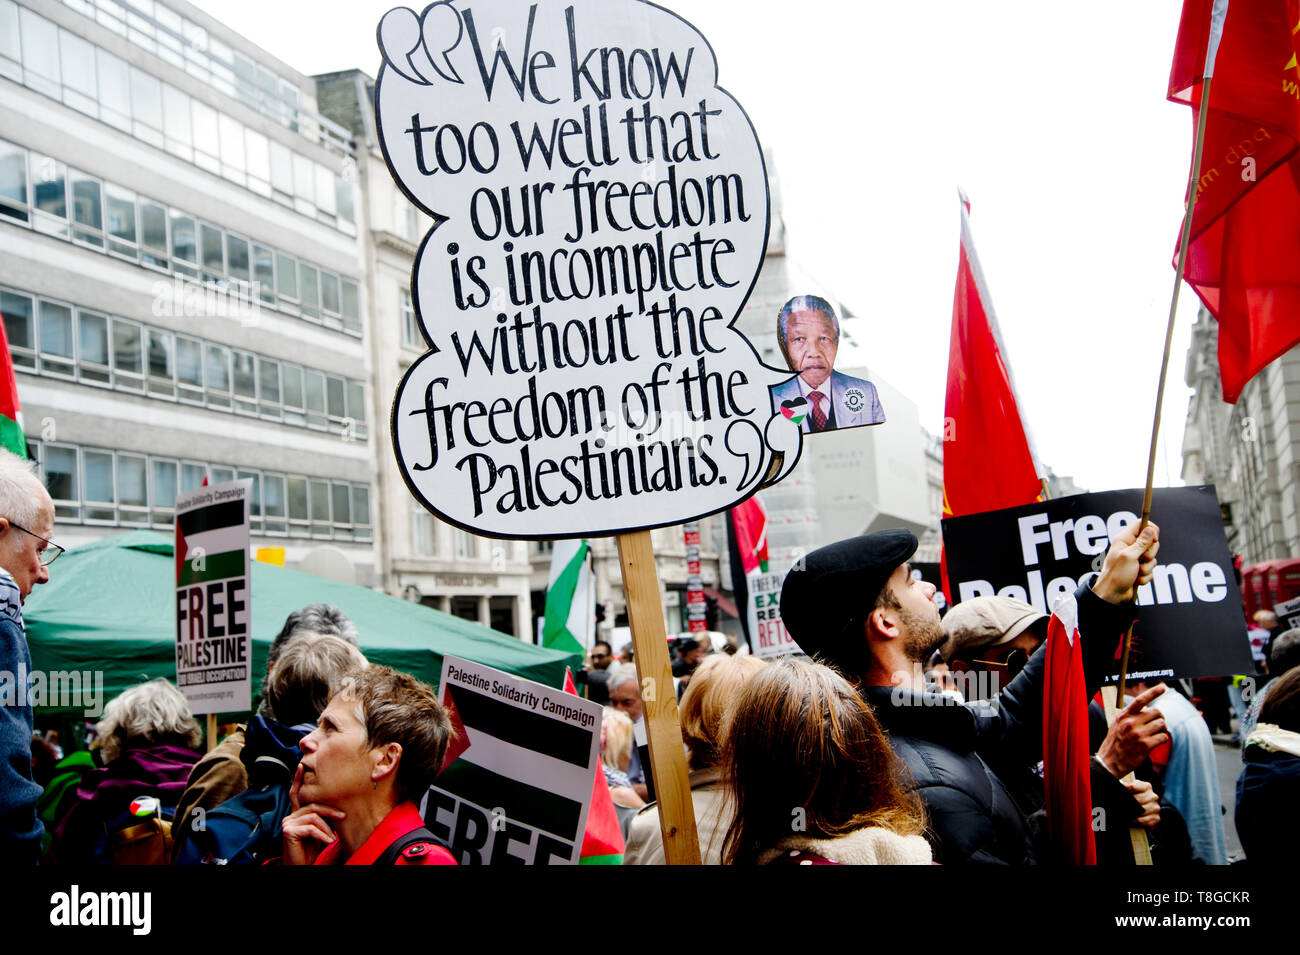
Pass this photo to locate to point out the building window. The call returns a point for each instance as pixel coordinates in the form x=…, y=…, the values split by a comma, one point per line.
x=100, y=486
x=56, y=339
x=61, y=480
x=93, y=364
x=424, y=542
x=19, y=328
x=87, y=210
x=128, y=365
x=13, y=182
x=119, y=213
x=109, y=218
x=320, y=508
x=464, y=544
x=97, y=480
x=410, y=328
x=49, y=195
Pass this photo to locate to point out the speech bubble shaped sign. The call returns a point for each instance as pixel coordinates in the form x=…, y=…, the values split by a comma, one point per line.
x=601, y=211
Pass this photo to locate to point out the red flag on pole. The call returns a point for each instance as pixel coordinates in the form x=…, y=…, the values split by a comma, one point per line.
x=750, y=522
x=988, y=457
x=1067, y=784
x=602, y=842
x=1244, y=256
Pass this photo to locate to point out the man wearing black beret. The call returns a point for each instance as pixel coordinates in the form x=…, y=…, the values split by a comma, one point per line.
x=855, y=605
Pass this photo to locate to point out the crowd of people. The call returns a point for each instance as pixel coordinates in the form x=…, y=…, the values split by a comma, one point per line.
x=899, y=737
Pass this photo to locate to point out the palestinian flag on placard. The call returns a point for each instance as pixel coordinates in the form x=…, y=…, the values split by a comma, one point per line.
x=500, y=753
x=12, y=437
x=211, y=543
x=570, y=599
x=602, y=842
x=796, y=409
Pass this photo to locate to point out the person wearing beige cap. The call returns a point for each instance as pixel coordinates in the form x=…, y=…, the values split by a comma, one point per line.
x=993, y=636
x=989, y=641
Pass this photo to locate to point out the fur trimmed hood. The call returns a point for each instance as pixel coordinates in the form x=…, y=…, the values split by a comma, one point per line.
x=874, y=845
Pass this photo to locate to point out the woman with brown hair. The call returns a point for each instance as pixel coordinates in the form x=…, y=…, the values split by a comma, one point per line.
x=813, y=778
x=714, y=687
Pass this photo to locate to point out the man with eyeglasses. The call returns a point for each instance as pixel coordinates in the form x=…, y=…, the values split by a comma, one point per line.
x=990, y=640
x=26, y=522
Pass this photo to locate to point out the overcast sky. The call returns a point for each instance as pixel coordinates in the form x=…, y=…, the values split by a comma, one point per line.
x=1051, y=116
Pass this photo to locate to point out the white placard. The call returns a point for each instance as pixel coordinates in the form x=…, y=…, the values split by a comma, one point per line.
x=602, y=210
x=213, y=603
x=519, y=782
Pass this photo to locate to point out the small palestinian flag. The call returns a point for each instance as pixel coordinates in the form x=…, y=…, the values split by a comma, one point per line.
x=570, y=616
x=211, y=543
x=795, y=409
x=11, y=419
x=602, y=842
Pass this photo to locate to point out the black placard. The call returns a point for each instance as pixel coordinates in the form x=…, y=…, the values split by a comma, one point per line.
x=1189, y=616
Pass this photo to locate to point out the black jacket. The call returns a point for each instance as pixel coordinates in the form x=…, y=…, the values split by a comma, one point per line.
x=1268, y=792
x=972, y=815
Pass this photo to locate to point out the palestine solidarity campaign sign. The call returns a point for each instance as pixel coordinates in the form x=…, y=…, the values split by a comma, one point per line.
x=213, y=657
x=602, y=214
x=1189, y=617
x=517, y=782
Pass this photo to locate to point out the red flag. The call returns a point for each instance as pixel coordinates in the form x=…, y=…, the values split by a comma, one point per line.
x=602, y=842
x=988, y=459
x=750, y=522
x=1244, y=256
x=1066, y=781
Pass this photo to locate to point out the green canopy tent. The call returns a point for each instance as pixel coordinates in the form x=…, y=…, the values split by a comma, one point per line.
x=110, y=607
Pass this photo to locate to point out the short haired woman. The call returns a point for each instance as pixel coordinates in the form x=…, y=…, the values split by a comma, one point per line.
x=376, y=749
x=148, y=741
x=813, y=778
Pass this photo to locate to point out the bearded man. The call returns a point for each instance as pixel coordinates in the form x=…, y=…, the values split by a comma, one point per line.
x=856, y=606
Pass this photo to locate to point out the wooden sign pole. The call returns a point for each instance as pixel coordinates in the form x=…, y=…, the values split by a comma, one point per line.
x=1137, y=835
x=212, y=731
x=659, y=701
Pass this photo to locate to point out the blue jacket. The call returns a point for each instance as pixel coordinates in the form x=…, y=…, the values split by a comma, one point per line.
x=20, y=829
